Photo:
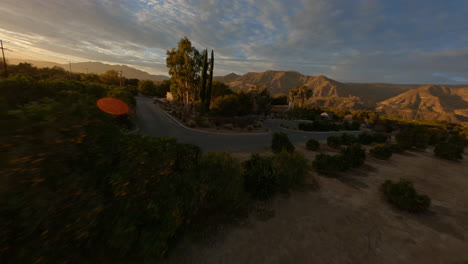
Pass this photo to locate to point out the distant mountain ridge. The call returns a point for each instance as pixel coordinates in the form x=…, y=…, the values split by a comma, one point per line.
x=97, y=68
x=430, y=102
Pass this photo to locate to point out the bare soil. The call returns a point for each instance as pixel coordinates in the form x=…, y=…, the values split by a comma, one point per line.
x=348, y=221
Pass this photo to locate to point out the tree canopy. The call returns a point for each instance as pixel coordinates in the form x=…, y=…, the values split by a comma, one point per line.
x=184, y=65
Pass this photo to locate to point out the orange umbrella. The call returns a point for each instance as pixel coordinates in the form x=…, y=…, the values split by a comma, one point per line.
x=112, y=106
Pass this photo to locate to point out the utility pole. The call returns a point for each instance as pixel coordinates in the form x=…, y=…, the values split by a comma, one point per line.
x=121, y=78
x=70, y=72
x=5, y=71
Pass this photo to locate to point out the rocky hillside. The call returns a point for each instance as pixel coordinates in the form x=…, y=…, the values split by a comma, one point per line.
x=431, y=102
x=428, y=102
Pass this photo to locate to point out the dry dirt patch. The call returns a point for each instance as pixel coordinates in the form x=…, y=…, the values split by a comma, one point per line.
x=347, y=221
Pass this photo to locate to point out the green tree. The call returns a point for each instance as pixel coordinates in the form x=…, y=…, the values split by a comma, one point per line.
x=261, y=99
x=163, y=88
x=298, y=96
x=227, y=105
x=147, y=87
x=209, y=89
x=204, y=76
x=184, y=65
x=369, y=117
x=110, y=77
x=220, y=89
x=280, y=99
x=245, y=103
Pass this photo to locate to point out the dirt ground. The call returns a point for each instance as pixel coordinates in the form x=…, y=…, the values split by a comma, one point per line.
x=347, y=220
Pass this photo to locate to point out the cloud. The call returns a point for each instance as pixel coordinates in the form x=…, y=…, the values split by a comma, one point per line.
x=363, y=40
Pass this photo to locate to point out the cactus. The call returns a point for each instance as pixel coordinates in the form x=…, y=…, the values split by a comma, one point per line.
x=203, y=76
x=210, y=83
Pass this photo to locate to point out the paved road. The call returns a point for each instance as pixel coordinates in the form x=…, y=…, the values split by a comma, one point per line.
x=153, y=121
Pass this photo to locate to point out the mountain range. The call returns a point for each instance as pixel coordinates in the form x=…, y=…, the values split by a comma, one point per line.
x=413, y=101
x=95, y=67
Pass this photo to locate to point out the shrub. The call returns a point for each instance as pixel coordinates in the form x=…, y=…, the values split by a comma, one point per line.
x=201, y=122
x=459, y=140
x=312, y=144
x=334, y=141
x=227, y=105
x=291, y=169
x=309, y=126
x=397, y=148
x=259, y=177
x=329, y=164
x=354, y=155
x=229, y=126
x=448, y=151
x=403, y=195
x=305, y=113
x=351, y=126
x=192, y=123
x=437, y=135
x=222, y=183
x=365, y=138
x=379, y=138
x=347, y=139
x=382, y=151
x=281, y=142
x=413, y=136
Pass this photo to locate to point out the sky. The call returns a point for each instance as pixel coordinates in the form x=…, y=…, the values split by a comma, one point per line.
x=396, y=41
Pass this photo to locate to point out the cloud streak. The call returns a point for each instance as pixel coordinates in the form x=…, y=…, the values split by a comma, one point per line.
x=364, y=40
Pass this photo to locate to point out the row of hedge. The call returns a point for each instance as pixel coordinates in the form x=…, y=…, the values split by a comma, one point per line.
x=351, y=157
x=363, y=138
x=324, y=125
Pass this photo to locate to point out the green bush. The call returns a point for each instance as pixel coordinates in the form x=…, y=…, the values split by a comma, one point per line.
x=304, y=113
x=222, y=183
x=403, y=195
x=320, y=125
x=382, y=151
x=347, y=139
x=329, y=164
x=354, y=155
x=259, y=177
x=413, y=136
x=169, y=188
x=227, y=105
x=379, y=138
x=312, y=144
x=334, y=141
x=291, y=169
x=448, y=151
x=280, y=142
x=149, y=88
x=397, y=148
x=353, y=126
x=457, y=139
x=437, y=135
x=365, y=138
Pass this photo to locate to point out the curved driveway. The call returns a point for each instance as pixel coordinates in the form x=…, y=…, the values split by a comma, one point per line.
x=153, y=121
